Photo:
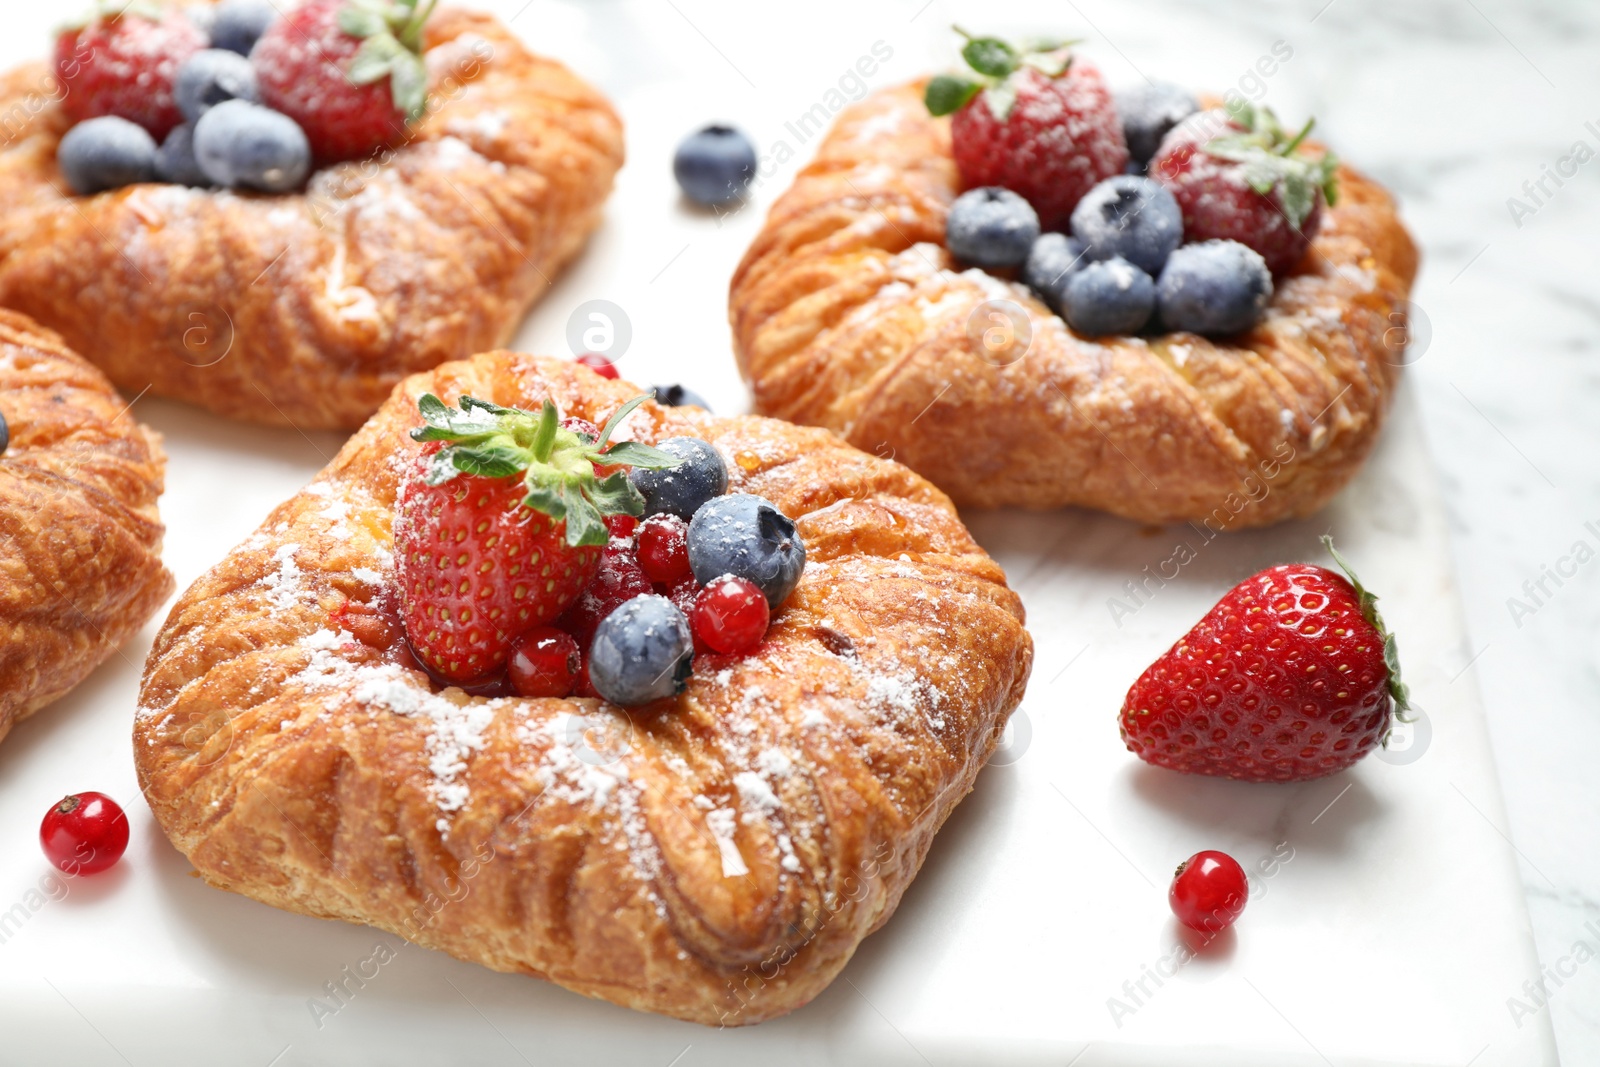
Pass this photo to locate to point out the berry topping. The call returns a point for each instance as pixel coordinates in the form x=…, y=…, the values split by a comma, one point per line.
x=499, y=526
x=1131, y=217
x=620, y=525
x=678, y=396
x=714, y=165
x=991, y=227
x=122, y=59
x=643, y=651
x=1238, y=175
x=211, y=76
x=683, y=490
x=664, y=548
x=350, y=72
x=84, y=833
x=544, y=663
x=599, y=364
x=1109, y=297
x=1290, y=677
x=1209, y=891
x=730, y=615
x=1052, y=260
x=619, y=580
x=1148, y=112
x=243, y=145
x=106, y=153
x=1214, y=288
x=1038, y=121
x=683, y=593
x=747, y=536
x=175, y=159
x=237, y=24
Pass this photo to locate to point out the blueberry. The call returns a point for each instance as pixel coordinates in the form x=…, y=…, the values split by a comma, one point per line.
x=678, y=396
x=991, y=227
x=1109, y=296
x=106, y=153
x=175, y=160
x=1055, y=257
x=747, y=536
x=1131, y=217
x=1148, y=111
x=236, y=25
x=240, y=144
x=714, y=165
x=5, y=434
x=1214, y=288
x=211, y=76
x=642, y=651
x=684, y=489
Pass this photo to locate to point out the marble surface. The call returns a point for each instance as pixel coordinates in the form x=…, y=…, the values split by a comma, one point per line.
x=1453, y=103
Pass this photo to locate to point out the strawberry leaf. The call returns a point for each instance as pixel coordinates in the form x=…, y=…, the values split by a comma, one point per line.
x=1368, y=602
x=949, y=93
x=359, y=20
x=373, y=59
x=408, y=83
x=635, y=454
x=990, y=56
x=584, y=524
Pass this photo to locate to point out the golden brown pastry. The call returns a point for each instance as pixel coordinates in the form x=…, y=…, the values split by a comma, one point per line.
x=306, y=309
x=717, y=858
x=849, y=313
x=80, y=540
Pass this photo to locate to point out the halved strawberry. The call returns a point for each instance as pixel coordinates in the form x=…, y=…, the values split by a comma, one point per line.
x=499, y=527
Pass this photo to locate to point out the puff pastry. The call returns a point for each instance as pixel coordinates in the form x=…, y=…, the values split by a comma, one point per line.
x=717, y=858
x=848, y=312
x=306, y=310
x=80, y=540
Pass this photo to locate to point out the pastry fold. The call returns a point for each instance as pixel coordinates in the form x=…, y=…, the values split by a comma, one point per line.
x=80, y=539
x=848, y=312
x=717, y=857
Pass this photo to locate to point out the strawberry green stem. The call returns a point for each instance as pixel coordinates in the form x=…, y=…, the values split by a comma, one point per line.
x=1398, y=690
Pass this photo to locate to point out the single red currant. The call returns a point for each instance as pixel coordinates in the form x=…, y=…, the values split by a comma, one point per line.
x=85, y=833
x=581, y=426
x=544, y=663
x=730, y=614
x=664, y=548
x=621, y=525
x=600, y=365
x=682, y=593
x=1209, y=890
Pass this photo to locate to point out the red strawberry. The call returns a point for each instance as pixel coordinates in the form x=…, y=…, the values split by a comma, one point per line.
x=1291, y=676
x=349, y=72
x=123, y=62
x=1039, y=122
x=1239, y=176
x=499, y=527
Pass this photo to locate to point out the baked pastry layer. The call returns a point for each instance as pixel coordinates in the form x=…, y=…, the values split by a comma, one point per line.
x=306, y=309
x=717, y=858
x=849, y=313
x=80, y=540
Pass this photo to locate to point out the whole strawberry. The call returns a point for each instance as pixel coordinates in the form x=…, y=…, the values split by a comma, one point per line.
x=122, y=60
x=1037, y=121
x=1237, y=175
x=350, y=72
x=1291, y=676
x=499, y=527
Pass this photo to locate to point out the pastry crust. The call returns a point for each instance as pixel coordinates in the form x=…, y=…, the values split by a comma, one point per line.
x=306, y=309
x=717, y=858
x=849, y=313
x=80, y=540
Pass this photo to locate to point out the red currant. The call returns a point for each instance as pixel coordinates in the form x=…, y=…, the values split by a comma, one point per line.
x=1209, y=890
x=682, y=593
x=582, y=427
x=621, y=525
x=664, y=548
x=600, y=365
x=85, y=833
x=730, y=614
x=544, y=662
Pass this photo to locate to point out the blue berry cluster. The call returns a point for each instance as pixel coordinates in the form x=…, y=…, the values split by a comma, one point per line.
x=227, y=138
x=1124, y=268
x=644, y=649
